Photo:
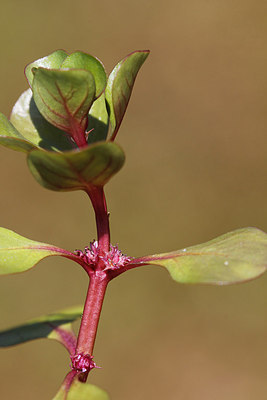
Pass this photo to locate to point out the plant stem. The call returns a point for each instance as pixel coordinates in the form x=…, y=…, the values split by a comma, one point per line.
x=91, y=314
x=78, y=134
x=97, y=196
x=98, y=280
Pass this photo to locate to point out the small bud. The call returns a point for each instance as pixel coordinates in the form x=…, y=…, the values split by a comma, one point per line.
x=83, y=363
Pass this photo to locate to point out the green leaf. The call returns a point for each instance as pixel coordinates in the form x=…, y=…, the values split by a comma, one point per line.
x=11, y=138
x=80, y=60
x=34, y=128
x=76, y=170
x=81, y=391
x=64, y=97
x=98, y=121
x=237, y=256
x=18, y=254
x=120, y=86
x=53, y=60
x=55, y=326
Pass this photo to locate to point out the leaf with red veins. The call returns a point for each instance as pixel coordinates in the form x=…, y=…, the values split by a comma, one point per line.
x=34, y=128
x=19, y=254
x=120, y=85
x=81, y=60
x=237, y=256
x=56, y=326
x=53, y=60
x=64, y=98
x=92, y=166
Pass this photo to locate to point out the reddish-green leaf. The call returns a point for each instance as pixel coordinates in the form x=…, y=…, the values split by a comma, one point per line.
x=11, y=138
x=18, y=254
x=64, y=98
x=53, y=60
x=80, y=60
x=75, y=170
x=34, y=128
x=55, y=326
x=237, y=256
x=98, y=121
x=120, y=86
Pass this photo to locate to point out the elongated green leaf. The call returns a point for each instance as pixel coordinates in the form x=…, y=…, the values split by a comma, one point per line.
x=53, y=60
x=64, y=97
x=98, y=121
x=76, y=170
x=81, y=391
x=34, y=128
x=18, y=254
x=80, y=60
x=120, y=86
x=237, y=256
x=55, y=326
x=11, y=138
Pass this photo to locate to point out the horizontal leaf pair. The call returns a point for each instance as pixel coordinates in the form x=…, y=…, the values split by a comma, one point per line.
x=234, y=257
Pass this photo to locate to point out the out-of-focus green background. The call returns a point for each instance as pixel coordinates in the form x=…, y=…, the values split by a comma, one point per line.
x=195, y=138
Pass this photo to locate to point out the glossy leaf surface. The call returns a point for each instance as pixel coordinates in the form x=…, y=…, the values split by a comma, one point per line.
x=81, y=391
x=98, y=121
x=11, y=138
x=80, y=60
x=237, y=256
x=120, y=86
x=76, y=170
x=55, y=326
x=64, y=97
x=33, y=127
x=52, y=61
x=18, y=254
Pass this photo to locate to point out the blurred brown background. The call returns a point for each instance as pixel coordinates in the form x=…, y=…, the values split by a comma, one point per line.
x=194, y=135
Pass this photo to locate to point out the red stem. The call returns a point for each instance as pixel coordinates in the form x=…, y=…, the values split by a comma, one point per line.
x=97, y=196
x=78, y=134
x=91, y=313
x=98, y=280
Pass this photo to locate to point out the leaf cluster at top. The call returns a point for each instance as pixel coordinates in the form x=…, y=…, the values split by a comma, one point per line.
x=63, y=120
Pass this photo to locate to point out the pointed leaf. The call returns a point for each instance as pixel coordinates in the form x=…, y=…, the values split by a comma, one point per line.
x=11, y=138
x=64, y=97
x=80, y=60
x=18, y=254
x=98, y=121
x=76, y=170
x=120, y=86
x=55, y=326
x=53, y=60
x=81, y=391
x=237, y=256
x=27, y=119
